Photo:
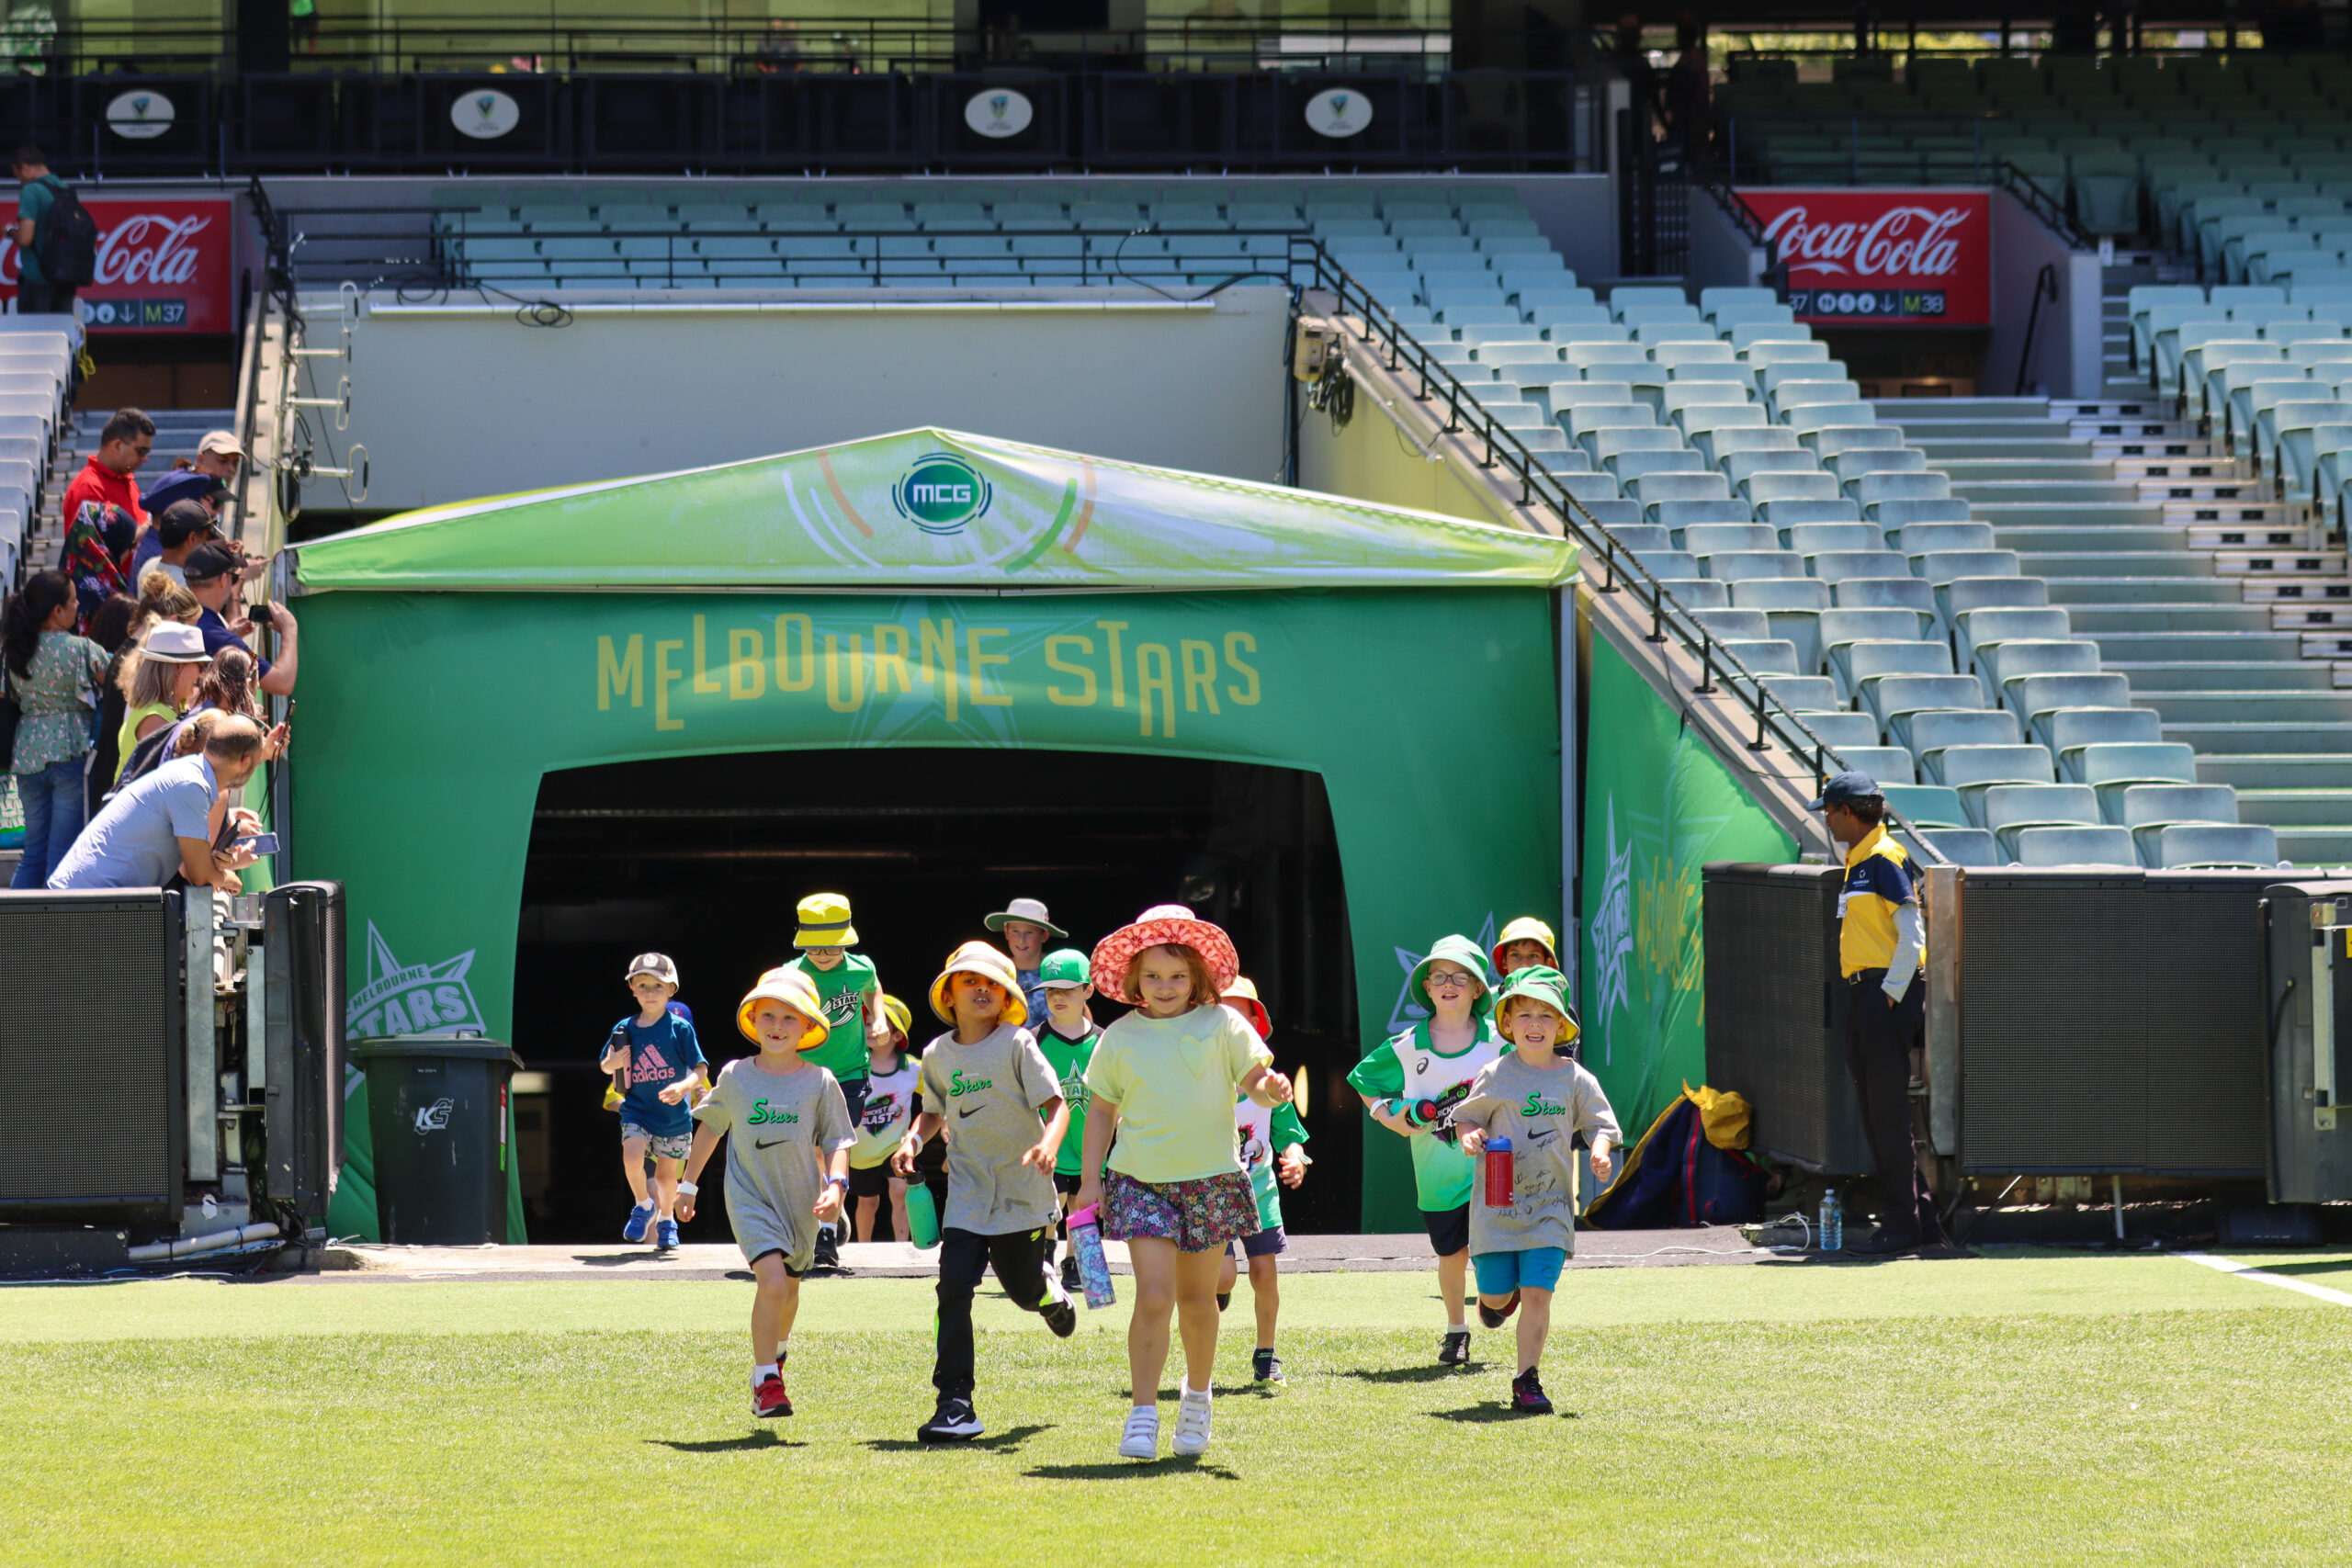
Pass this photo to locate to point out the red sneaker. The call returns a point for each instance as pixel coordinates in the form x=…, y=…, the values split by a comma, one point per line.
x=769, y=1398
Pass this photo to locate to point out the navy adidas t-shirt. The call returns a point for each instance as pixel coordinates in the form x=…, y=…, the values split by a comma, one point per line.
x=658, y=1055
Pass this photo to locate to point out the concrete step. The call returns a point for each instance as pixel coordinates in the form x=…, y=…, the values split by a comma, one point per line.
x=2091, y=587
x=2298, y=807
x=2316, y=846
x=2181, y=470
x=2249, y=510
x=2268, y=737
x=2148, y=407
x=2103, y=621
x=1964, y=471
x=2302, y=589
x=2054, y=493
x=2279, y=563
x=2298, y=615
x=2138, y=427
x=2073, y=536
x=2236, y=676
x=2203, y=492
x=2335, y=645
x=1920, y=431
x=2239, y=536
x=2250, y=768
x=2092, y=517
x=2222, y=706
x=1939, y=447
x=2153, y=447
x=2232, y=649
x=1903, y=411
x=2118, y=563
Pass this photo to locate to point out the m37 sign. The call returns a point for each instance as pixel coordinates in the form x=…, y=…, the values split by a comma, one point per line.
x=1910, y=258
x=164, y=265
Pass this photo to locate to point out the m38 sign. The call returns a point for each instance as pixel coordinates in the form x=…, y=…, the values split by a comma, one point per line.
x=1909, y=257
x=164, y=265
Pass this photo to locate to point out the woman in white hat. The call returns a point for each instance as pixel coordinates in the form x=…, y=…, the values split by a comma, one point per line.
x=158, y=682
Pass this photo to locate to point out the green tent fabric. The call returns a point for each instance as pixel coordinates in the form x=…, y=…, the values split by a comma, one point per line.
x=929, y=509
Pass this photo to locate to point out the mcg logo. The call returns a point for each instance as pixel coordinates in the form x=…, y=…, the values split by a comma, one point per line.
x=941, y=493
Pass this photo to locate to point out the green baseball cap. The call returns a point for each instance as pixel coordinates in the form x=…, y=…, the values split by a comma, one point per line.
x=1064, y=968
x=1455, y=950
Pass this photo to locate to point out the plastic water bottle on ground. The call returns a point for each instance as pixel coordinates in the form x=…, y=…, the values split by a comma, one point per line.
x=1833, y=1224
x=1093, y=1267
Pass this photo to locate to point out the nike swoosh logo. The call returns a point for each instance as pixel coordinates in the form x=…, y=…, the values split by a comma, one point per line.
x=772, y=1142
x=967, y=1111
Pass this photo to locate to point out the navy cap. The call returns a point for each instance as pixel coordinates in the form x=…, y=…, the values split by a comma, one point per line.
x=1851, y=784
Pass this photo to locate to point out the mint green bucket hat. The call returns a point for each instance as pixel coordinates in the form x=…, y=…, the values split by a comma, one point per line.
x=1546, y=986
x=1455, y=950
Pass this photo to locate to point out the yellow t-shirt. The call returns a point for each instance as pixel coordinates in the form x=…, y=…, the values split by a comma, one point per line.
x=1173, y=1081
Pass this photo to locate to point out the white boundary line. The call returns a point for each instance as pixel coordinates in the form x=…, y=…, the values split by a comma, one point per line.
x=2247, y=1271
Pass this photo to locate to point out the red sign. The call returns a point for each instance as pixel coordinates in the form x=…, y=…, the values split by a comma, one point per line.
x=163, y=266
x=1914, y=258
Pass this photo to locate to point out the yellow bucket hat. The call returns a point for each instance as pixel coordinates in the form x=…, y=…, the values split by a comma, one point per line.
x=824, y=922
x=900, y=1018
x=979, y=958
x=795, y=991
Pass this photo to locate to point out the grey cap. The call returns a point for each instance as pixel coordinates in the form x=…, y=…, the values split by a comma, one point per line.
x=1851, y=784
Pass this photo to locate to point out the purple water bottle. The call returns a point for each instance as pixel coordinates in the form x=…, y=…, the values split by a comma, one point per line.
x=1093, y=1267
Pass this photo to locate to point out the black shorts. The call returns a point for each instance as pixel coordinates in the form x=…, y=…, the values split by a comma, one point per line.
x=870, y=1181
x=789, y=1271
x=1267, y=1243
x=1449, y=1230
x=854, y=1090
x=1067, y=1183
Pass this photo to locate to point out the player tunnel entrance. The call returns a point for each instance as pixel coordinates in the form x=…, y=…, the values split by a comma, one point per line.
x=703, y=857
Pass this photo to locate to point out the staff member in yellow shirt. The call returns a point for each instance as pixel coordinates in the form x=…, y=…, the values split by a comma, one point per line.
x=1880, y=943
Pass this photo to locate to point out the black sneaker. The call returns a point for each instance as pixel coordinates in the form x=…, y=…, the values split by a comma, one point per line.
x=1267, y=1368
x=953, y=1421
x=1527, y=1396
x=829, y=1251
x=1493, y=1317
x=1455, y=1349
x=1224, y=1300
x=1060, y=1312
x=1071, y=1281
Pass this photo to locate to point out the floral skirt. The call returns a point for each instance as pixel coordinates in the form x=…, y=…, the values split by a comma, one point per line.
x=1196, y=1215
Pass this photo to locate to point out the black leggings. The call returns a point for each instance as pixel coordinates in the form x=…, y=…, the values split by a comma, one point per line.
x=1018, y=1259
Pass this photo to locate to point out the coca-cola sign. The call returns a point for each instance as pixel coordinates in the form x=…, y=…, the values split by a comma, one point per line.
x=164, y=265
x=1907, y=256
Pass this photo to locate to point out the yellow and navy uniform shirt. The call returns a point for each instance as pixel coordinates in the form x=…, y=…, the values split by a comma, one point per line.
x=1878, y=881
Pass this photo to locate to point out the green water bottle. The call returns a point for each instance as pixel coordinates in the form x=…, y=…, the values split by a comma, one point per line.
x=922, y=1216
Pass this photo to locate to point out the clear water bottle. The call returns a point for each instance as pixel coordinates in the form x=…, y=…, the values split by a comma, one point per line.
x=1833, y=1224
x=1093, y=1267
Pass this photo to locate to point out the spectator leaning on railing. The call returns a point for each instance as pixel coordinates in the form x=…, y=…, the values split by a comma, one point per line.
x=211, y=572
x=164, y=826
x=53, y=675
x=123, y=445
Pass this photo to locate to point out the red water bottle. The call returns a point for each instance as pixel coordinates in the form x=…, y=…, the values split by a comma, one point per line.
x=1498, y=1173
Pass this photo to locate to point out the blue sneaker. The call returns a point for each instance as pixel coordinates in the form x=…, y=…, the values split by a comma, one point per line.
x=665, y=1236
x=638, y=1218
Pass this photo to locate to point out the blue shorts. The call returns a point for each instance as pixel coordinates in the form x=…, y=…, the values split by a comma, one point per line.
x=1501, y=1273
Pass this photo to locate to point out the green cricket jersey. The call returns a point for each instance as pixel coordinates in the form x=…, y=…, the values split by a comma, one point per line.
x=1411, y=1068
x=843, y=989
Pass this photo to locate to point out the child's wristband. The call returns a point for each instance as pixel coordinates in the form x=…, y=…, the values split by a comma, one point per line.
x=688, y=1188
x=839, y=1182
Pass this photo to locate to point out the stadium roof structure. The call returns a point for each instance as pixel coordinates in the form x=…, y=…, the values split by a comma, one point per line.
x=928, y=509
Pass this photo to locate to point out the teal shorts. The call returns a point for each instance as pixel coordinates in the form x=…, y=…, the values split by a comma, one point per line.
x=1501, y=1273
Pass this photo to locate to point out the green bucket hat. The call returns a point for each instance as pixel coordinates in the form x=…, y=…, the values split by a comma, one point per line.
x=1064, y=967
x=1546, y=986
x=1455, y=950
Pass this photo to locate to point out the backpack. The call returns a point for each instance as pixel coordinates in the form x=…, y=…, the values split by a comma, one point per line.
x=66, y=239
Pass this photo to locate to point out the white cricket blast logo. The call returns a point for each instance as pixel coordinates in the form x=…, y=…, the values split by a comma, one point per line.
x=1902, y=242
x=144, y=248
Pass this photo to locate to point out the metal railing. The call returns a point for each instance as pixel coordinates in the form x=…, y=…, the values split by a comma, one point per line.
x=1670, y=622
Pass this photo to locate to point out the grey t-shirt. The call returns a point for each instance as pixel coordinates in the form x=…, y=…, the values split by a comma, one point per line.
x=782, y=1129
x=1541, y=1112
x=988, y=1095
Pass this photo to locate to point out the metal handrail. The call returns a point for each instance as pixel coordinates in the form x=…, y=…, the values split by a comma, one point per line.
x=1670, y=620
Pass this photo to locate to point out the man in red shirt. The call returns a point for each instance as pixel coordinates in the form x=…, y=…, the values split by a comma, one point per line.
x=123, y=445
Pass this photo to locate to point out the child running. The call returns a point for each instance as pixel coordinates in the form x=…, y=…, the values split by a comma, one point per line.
x=851, y=994
x=1067, y=1040
x=1163, y=1079
x=788, y=1161
x=890, y=1070
x=1526, y=943
x=1541, y=1100
x=1270, y=1136
x=1412, y=1084
x=988, y=1085
x=656, y=1063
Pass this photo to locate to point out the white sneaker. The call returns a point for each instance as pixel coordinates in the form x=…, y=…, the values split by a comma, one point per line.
x=1142, y=1440
x=1192, y=1423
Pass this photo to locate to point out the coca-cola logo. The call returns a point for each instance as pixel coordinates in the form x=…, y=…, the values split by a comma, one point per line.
x=1901, y=241
x=143, y=249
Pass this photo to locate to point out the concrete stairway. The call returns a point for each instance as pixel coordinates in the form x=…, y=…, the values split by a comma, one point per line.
x=2183, y=595
x=177, y=432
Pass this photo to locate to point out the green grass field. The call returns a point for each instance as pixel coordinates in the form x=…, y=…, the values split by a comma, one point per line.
x=2028, y=1408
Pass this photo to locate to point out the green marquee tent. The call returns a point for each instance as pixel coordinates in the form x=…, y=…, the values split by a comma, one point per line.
x=926, y=588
